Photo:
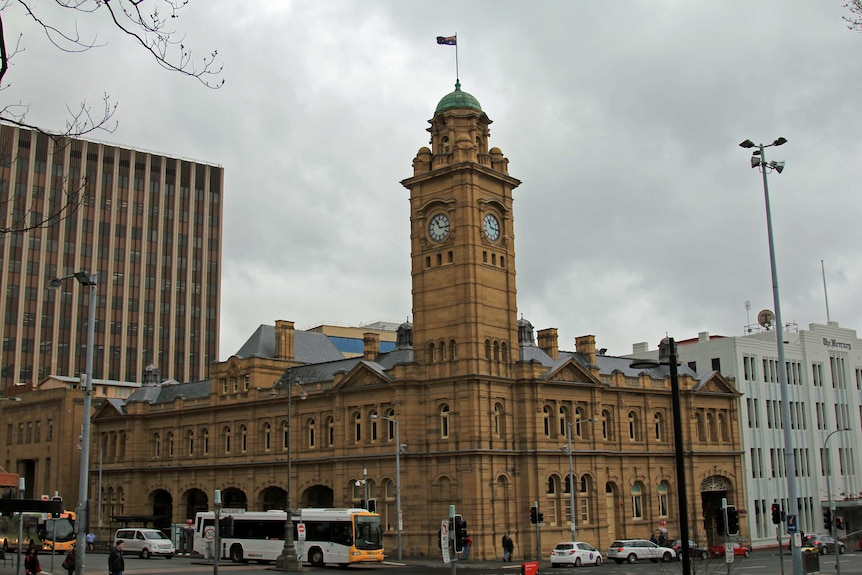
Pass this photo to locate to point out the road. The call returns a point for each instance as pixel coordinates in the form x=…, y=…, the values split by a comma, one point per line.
x=760, y=563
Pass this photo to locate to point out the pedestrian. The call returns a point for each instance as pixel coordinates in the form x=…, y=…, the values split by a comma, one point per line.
x=116, y=563
x=187, y=537
x=465, y=552
x=69, y=562
x=31, y=562
x=508, y=547
x=91, y=542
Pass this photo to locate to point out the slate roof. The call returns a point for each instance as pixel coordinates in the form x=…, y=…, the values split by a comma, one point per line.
x=309, y=347
x=168, y=393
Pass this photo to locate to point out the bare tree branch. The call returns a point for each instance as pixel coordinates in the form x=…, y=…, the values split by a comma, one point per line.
x=147, y=23
x=854, y=22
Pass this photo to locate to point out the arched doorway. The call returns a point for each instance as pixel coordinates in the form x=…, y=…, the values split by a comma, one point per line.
x=233, y=498
x=273, y=498
x=195, y=501
x=613, y=508
x=163, y=508
x=712, y=490
x=317, y=496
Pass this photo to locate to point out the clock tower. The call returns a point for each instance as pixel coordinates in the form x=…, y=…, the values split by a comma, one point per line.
x=462, y=245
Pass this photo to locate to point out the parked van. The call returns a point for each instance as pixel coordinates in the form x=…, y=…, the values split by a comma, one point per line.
x=145, y=542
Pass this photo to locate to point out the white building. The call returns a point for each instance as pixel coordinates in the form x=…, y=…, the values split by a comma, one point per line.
x=824, y=374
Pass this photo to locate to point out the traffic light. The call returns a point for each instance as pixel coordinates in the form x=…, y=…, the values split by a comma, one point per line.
x=839, y=522
x=460, y=533
x=827, y=519
x=776, y=514
x=56, y=514
x=719, y=521
x=534, y=514
x=732, y=520
x=541, y=517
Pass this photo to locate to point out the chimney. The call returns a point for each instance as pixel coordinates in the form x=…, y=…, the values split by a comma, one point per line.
x=284, y=339
x=640, y=347
x=586, y=345
x=548, y=342
x=371, y=345
x=702, y=336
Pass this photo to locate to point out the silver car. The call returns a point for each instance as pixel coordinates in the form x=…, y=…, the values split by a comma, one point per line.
x=633, y=550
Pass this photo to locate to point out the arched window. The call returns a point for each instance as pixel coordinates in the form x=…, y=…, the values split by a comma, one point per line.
x=190, y=441
x=170, y=438
x=452, y=355
x=357, y=427
x=431, y=352
x=607, y=425
x=157, y=445
x=442, y=347
x=546, y=420
x=580, y=416
x=583, y=501
x=267, y=436
x=658, y=426
x=243, y=438
x=553, y=484
x=444, y=421
x=634, y=426
x=226, y=432
x=711, y=434
x=637, y=501
x=699, y=427
x=496, y=350
x=329, y=428
x=311, y=429
x=285, y=436
x=663, y=510
x=723, y=428
x=205, y=436
x=495, y=417
x=390, y=428
x=372, y=417
x=563, y=421
x=487, y=349
x=444, y=144
x=504, y=352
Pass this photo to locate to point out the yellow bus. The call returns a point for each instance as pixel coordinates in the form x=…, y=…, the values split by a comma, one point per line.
x=59, y=534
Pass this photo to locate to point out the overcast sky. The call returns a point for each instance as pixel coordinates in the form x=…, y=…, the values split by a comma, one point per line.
x=638, y=215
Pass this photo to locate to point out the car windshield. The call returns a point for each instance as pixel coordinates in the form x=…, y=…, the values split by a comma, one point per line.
x=154, y=535
x=563, y=546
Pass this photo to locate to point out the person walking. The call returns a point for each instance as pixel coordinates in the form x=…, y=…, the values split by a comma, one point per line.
x=116, y=563
x=465, y=552
x=31, y=562
x=69, y=562
x=91, y=542
x=508, y=547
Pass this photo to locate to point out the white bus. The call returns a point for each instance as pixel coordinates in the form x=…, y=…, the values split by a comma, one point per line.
x=341, y=536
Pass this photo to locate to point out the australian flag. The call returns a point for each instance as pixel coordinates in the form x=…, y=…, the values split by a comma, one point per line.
x=448, y=40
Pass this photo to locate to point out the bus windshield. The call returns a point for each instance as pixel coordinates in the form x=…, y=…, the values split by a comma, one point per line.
x=368, y=532
x=62, y=529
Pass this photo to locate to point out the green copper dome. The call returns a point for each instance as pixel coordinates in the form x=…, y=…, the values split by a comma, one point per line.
x=458, y=99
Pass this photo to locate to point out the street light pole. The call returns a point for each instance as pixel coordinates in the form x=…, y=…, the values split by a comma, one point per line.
x=667, y=356
x=81, y=519
x=829, y=496
x=397, y=477
x=288, y=560
x=758, y=160
x=571, y=479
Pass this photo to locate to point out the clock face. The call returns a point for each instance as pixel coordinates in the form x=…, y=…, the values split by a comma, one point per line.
x=492, y=227
x=438, y=229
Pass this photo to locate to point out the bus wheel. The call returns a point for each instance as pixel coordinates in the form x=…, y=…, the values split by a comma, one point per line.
x=315, y=557
x=344, y=565
x=236, y=554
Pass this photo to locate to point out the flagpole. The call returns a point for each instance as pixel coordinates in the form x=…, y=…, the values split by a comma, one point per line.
x=457, y=70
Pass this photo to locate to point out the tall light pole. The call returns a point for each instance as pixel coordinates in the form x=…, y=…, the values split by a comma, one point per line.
x=82, y=520
x=829, y=496
x=397, y=477
x=568, y=449
x=758, y=160
x=288, y=560
x=667, y=356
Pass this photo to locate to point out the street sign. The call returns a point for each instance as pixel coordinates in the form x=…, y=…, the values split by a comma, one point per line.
x=792, y=526
x=444, y=540
x=209, y=533
x=300, y=531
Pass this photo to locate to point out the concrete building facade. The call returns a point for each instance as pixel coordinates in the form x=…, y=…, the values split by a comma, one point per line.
x=824, y=373
x=148, y=225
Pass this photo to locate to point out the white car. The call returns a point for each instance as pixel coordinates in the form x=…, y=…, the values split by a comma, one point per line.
x=575, y=554
x=145, y=542
x=633, y=550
